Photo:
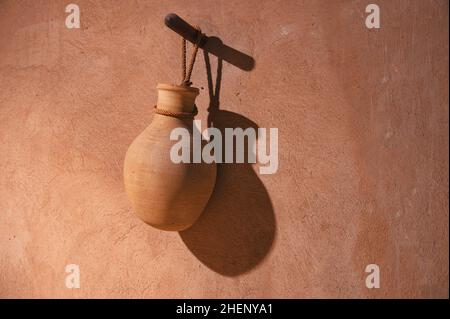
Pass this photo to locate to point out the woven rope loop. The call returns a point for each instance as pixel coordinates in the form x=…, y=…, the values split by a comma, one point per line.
x=180, y=115
x=187, y=71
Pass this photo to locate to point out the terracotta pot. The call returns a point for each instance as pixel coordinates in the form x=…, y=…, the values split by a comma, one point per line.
x=163, y=194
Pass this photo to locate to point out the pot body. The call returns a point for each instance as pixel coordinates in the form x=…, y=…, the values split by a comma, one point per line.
x=167, y=195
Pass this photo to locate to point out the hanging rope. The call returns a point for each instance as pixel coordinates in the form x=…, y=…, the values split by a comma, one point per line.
x=186, y=75
x=187, y=72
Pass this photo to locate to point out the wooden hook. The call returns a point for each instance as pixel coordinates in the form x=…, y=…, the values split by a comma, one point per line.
x=184, y=29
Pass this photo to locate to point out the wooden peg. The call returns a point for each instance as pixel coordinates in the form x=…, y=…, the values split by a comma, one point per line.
x=184, y=29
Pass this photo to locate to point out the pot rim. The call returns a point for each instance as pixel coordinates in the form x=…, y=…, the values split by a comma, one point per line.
x=178, y=88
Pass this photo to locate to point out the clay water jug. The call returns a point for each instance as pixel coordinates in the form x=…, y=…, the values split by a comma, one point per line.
x=167, y=195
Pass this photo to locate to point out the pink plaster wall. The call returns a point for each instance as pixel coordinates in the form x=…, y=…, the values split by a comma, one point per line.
x=363, y=141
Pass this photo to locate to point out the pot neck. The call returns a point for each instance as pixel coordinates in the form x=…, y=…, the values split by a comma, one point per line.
x=176, y=98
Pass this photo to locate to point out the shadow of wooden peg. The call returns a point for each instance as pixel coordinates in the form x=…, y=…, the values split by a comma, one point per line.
x=213, y=45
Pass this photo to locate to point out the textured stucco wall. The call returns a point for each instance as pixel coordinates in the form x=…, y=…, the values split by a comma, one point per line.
x=363, y=150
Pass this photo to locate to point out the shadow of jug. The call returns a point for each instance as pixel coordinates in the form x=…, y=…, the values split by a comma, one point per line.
x=237, y=228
